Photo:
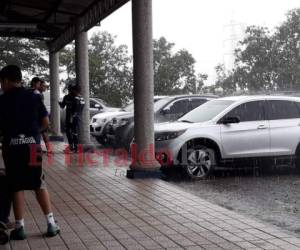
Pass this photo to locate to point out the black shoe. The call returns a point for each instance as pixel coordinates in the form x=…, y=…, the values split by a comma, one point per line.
x=18, y=234
x=52, y=230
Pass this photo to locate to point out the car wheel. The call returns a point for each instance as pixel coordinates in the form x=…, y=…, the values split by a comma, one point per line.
x=200, y=162
x=297, y=159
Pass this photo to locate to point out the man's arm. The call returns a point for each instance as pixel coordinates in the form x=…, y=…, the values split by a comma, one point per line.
x=44, y=123
x=62, y=104
x=42, y=115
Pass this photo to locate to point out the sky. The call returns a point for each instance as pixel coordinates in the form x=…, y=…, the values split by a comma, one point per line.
x=207, y=29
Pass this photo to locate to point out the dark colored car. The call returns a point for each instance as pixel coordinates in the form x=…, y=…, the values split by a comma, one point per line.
x=120, y=130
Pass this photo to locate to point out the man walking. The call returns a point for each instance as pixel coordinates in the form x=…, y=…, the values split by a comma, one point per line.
x=38, y=87
x=22, y=117
x=74, y=105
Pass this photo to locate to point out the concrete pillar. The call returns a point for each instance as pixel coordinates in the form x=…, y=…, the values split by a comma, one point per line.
x=143, y=84
x=54, y=94
x=82, y=77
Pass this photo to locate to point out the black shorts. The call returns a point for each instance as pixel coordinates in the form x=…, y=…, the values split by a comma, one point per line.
x=23, y=164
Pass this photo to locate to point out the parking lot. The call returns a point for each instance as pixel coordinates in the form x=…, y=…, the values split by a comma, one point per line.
x=273, y=197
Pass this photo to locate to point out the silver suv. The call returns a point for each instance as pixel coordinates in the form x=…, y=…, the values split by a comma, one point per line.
x=231, y=129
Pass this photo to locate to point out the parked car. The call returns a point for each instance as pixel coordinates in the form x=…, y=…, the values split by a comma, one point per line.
x=231, y=129
x=120, y=130
x=96, y=106
x=99, y=122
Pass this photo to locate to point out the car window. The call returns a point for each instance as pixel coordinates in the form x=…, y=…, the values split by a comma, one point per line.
x=92, y=104
x=280, y=109
x=178, y=108
x=196, y=102
x=250, y=111
x=100, y=101
x=207, y=111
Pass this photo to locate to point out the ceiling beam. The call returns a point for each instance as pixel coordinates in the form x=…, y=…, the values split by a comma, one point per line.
x=52, y=11
x=95, y=13
x=44, y=9
x=30, y=35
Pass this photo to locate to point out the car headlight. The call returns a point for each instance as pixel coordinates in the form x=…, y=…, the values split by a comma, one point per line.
x=164, y=136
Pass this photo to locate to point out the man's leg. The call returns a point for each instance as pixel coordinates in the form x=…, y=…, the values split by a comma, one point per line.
x=46, y=141
x=75, y=135
x=43, y=198
x=69, y=135
x=18, y=204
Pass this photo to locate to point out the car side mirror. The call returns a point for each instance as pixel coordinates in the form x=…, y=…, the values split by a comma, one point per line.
x=165, y=111
x=230, y=120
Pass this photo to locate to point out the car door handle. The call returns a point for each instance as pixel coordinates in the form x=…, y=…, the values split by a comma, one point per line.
x=262, y=127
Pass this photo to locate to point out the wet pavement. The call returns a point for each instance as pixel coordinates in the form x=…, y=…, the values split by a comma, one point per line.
x=272, y=197
x=97, y=207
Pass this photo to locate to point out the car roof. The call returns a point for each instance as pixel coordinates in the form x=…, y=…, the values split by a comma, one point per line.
x=191, y=96
x=259, y=97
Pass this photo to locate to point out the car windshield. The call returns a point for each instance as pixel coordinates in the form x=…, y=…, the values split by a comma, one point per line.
x=161, y=103
x=206, y=112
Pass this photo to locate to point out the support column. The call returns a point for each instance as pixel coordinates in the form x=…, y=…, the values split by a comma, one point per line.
x=143, y=87
x=82, y=78
x=54, y=96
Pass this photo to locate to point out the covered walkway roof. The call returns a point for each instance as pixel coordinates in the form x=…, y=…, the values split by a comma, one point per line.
x=59, y=22
x=52, y=20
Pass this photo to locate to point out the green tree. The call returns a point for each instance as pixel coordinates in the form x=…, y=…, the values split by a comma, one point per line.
x=174, y=73
x=110, y=68
x=266, y=60
x=254, y=61
x=30, y=55
x=225, y=80
x=287, y=38
x=67, y=61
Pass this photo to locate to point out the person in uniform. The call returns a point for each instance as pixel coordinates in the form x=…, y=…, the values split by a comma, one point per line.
x=74, y=105
x=22, y=117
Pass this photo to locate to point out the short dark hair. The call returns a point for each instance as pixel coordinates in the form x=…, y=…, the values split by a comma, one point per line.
x=35, y=80
x=12, y=73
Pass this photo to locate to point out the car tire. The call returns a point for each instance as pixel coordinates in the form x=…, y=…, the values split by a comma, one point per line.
x=201, y=162
x=297, y=159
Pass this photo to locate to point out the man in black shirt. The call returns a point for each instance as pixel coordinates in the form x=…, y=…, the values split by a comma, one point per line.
x=22, y=116
x=74, y=104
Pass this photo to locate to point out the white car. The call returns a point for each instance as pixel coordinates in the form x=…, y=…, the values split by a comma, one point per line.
x=99, y=121
x=231, y=129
